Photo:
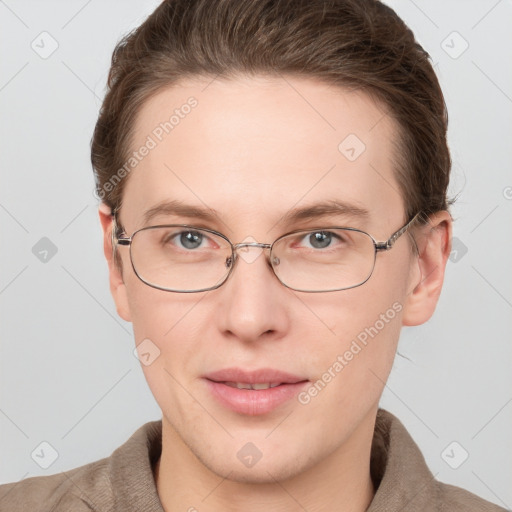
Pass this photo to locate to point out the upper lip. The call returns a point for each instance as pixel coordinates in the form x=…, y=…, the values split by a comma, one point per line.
x=261, y=375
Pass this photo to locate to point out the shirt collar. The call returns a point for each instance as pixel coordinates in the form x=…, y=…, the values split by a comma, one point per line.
x=398, y=469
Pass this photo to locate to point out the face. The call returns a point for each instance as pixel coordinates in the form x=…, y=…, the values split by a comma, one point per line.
x=254, y=149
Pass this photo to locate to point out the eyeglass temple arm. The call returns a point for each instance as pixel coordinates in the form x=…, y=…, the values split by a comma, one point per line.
x=116, y=240
x=388, y=244
x=379, y=246
x=115, y=231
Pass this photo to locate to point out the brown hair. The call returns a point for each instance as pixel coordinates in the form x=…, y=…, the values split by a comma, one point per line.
x=359, y=44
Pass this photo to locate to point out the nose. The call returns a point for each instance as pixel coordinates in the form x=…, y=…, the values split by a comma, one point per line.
x=253, y=302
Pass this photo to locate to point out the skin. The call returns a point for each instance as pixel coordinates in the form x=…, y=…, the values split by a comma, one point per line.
x=252, y=149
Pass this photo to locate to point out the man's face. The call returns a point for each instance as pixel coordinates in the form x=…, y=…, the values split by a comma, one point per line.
x=252, y=150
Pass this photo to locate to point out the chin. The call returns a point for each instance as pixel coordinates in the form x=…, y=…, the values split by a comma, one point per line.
x=263, y=474
x=280, y=466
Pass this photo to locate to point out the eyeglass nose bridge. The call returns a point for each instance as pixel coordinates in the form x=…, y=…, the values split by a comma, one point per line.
x=251, y=244
x=240, y=245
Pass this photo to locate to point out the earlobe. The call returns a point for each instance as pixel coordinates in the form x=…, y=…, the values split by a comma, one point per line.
x=427, y=277
x=117, y=286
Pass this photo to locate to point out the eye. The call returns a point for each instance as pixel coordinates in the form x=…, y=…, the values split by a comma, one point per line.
x=189, y=239
x=322, y=239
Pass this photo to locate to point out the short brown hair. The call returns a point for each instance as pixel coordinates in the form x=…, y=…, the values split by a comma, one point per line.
x=359, y=44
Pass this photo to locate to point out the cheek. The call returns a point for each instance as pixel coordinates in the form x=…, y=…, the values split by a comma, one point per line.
x=167, y=323
x=353, y=365
x=364, y=324
x=166, y=335
x=154, y=312
x=372, y=310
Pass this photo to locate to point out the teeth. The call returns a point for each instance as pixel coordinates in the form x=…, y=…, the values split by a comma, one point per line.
x=261, y=386
x=256, y=386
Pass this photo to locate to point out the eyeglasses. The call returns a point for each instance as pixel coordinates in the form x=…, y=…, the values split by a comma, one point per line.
x=186, y=259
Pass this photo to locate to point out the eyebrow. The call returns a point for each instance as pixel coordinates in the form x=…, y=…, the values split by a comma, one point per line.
x=179, y=208
x=323, y=209
x=310, y=212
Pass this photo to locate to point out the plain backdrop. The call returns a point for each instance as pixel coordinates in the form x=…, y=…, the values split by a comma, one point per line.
x=68, y=375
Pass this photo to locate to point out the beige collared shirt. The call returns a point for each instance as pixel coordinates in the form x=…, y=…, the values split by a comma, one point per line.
x=124, y=481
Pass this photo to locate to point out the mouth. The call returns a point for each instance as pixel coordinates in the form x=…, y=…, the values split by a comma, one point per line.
x=255, y=386
x=255, y=392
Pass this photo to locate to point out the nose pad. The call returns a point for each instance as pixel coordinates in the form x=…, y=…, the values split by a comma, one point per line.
x=230, y=260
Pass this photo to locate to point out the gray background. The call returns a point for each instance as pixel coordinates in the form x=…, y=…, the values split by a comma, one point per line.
x=68, y=375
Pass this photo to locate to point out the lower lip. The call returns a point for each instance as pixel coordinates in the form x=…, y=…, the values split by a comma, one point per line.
x=254, y=402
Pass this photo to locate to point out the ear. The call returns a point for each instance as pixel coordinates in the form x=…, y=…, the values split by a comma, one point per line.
x=434, y=243
x=117, y=286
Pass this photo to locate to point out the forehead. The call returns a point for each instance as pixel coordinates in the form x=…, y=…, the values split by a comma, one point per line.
x=253, y=148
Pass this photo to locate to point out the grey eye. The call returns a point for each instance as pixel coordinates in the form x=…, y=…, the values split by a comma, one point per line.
x=190, y=239
x=320, y=239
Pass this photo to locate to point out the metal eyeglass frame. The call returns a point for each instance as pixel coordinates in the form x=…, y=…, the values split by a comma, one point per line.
x=118, y=239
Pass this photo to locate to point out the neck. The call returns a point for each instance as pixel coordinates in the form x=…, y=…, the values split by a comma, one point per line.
x=341, y=481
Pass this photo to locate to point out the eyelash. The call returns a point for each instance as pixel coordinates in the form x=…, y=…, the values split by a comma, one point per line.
x=304, y=236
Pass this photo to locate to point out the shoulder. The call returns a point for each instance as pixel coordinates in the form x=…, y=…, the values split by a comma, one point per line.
x=80, y=489
x=122, y=481
x=403, y=479
x=456, y=499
